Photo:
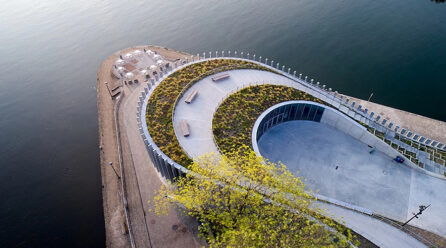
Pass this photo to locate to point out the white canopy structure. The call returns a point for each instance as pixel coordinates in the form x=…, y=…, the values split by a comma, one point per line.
x=129, y=75
x=137, y=52
x=153, y=67
x=128, y=56
x=157, y=57
x=159, y=62
x=120, y=69
x=119, y=62
x=150, y=53
x=144, y=72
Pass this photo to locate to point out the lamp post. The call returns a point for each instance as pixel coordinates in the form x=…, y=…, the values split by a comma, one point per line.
x=106, y=84
x=111, y=164
x=422, y=208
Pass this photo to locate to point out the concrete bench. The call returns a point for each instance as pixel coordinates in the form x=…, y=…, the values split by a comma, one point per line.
x=191, y=96
x=184, y=127
x=220, y=77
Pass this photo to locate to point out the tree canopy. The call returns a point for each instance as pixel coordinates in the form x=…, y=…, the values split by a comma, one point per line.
x=242, y=200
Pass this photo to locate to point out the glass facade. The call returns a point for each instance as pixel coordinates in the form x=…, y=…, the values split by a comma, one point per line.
x=290, y=112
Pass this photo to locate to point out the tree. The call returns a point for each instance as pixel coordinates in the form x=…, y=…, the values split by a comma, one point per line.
x=242, y=200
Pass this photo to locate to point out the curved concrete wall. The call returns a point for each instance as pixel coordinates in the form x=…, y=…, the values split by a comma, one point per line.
x=296, y=110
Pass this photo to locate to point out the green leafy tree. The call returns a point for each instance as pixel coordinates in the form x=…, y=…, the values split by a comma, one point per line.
x=242, y=200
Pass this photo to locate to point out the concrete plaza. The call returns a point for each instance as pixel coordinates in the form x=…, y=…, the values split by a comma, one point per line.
x=372, y=181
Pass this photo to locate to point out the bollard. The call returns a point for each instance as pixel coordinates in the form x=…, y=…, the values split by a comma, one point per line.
x=346, y=101
x=235, y=54
x=311, y=81
x=366, y=110
x=294, y=73
x=305, y=79
x=247, y=56
x=272, y=62
x=353, y=104
x=216, y=54
x=229, y=52
x=254, y=57
x=300, y=75
x=289, y=70
x=241, y=55
x=204, y=55
x=283, y=68
x=210, y=55
x=266, y=61
x=260, y=59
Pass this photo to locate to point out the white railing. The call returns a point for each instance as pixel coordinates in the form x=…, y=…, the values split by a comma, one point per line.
x=339, y=101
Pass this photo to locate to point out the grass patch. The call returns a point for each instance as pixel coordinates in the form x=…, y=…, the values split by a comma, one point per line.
x=162, y=102
x=233, y=122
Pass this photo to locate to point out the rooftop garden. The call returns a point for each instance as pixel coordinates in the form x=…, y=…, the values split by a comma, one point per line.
x=235, y=118
x=162, y=102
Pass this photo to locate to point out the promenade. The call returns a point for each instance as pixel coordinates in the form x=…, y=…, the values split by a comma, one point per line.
x=141, y=178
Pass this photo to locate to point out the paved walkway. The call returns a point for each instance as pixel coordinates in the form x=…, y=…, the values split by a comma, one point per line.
x=378, y=232
x=143, y=181
x=199, y=115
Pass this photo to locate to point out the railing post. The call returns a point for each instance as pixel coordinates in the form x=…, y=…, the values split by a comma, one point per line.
x=294, y=74
x=289, y=70
x=216, y=54
x=277, y=66
x=283, y=68
x=266, y=61
x=222, y=53
x=235, y=54
x=210, y=55
x=272, y=63
x=229, y=52
x=260, y=59
x=311, y=81
x=204, y=55
x=254, y=57
x=300, y=75
x=305, y=78
x=241, y=55
x=247, y=56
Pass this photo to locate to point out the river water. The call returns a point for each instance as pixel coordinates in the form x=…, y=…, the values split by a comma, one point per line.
x=50, y=51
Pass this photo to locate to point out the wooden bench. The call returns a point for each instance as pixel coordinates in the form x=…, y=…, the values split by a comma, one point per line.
x=184, y=128
x=220, y=77
x=191, y=96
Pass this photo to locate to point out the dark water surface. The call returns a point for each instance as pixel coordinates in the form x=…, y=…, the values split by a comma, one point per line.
x=50, y=52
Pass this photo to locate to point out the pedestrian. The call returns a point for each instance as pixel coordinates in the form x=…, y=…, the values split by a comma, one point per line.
x=337, y=167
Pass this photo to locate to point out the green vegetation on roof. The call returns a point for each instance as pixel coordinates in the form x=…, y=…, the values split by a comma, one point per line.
x=162, y=102
x=233, y=122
